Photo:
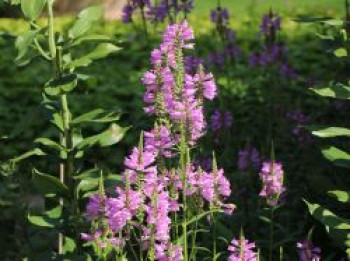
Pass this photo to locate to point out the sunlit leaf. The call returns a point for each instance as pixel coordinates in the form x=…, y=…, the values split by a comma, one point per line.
x=327, y=217
x=342, y=196
x=32, y=8
x=336, y=156
x=329, y=132
x=48, y=184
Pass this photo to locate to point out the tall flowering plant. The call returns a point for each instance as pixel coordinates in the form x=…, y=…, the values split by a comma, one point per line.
x=161, y=183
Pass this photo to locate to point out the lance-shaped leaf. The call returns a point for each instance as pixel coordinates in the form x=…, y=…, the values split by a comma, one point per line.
x=34, y=152
x=51, y=144
x=43, y=221
x=48, y=184
x=23, y=42
x=32, y=9
x=338, y=91
x=101, y=51
x=327, y=217
x=342, y=196
x=85, y=20
x=62, y=85
x=97, y=116
x=49, y=219
x=329, y=132
x=107, y=138
x=337, y=157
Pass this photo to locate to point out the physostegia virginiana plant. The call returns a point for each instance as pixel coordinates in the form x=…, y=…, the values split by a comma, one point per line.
x=155, y=215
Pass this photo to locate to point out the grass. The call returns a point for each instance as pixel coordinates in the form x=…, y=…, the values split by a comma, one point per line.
x=241, y=8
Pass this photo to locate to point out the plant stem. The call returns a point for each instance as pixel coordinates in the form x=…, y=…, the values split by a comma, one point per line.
x=214, y=237
x=53, y=54
x=144, y=21
x=271, y=235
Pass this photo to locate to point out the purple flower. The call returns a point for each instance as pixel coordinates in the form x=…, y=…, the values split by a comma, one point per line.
x=140, y=161
x=127, y=13
x=243, y=159
x=271, y=176
x=219, y=16
x=168, y=252
x=221, y=120
x=96, y=206
x=160, y=142
x=286, y=70
x=214, y=186
x=242, y=250
x=270, y=22
x=248, y=157
x=308, y=252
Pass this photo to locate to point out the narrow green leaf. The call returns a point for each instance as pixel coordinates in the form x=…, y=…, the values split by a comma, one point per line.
x=34, y=152
x=338, y=91
x=101, y=51
x=329, y=132
x=107, y=138
x=327, y=217
x=337, y=157
x=91, y=13
x=48, y=184
x=42, y=221
x=97, y=116
x=50, y=143
x=32, y=9
x=342, y=196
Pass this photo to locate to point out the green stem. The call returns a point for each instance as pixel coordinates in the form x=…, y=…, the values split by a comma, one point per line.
x=144, y=21
x=214, y=237
x=271, y=235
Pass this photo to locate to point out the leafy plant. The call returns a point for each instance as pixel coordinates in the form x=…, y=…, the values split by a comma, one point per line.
x=65, y=146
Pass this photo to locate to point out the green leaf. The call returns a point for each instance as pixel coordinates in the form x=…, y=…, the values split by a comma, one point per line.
x=340, y=52
x=101, y=51
x=34, y=152
x=338, y=91
x=329, y=132
x=342, y=196
x=69, y=245
x=311, y=19
x=42, y=221
x=54, y=213
x=97, y=116
x=48, y=184
x=85, y=20
x=327, y=217
x=23, y=42
x=32, y=9
x=92, y=13
x=92, y=38
x=60, y=86
x=107, y=138
x=337, y=157
x=50, y=143
x=334, y=22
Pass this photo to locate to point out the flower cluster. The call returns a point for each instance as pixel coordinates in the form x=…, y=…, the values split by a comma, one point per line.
x=308, y=252
x=152, y=191
x=242, y=250
x=299, y=120
x=273, y=53
x=271, y=175
x=173, y=92
x=220, y=17
x=248, y=157
x=156, y=11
